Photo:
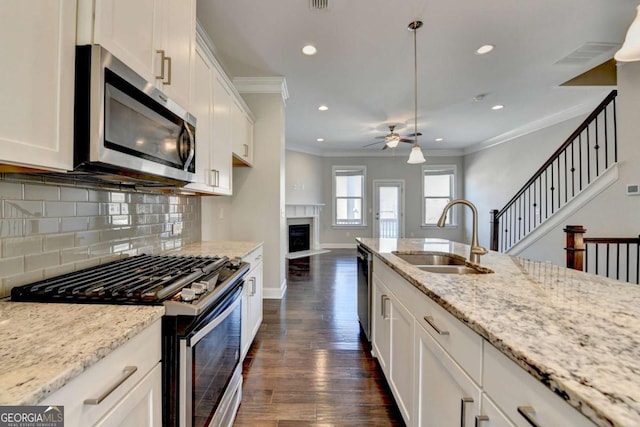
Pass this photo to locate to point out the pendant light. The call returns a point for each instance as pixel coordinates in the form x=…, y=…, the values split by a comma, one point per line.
x=416, y=156
x=630, y=50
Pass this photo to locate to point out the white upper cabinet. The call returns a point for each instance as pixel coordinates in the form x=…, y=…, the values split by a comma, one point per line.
x=156, y=38
x=37, y=47
x=242, y=135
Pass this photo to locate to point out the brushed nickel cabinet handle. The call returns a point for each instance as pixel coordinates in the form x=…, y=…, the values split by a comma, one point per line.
x=253, y=286
x=383, y=307
x=246, y=150
x=126, y=373
x=480, y=418
x=439, y=331
x=168, y=82
x=162, y=57
x=463, y=410
x=528, y=413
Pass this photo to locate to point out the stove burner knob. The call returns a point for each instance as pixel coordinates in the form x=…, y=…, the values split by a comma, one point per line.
x=199, y=287
x=188, y=294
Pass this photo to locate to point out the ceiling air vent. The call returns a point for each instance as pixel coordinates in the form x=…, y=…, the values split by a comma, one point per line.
x=587, y=52
x=319, y=4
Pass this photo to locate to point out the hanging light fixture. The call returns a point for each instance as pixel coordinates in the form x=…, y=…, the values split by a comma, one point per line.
x=392, y=141
x=416, y=156
x=630, y=50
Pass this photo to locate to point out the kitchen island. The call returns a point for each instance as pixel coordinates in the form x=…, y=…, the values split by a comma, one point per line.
x=576, y=333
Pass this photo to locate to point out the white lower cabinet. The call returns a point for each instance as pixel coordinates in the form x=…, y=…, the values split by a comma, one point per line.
x=123, y=389
x=446, y=395
x=522, y=398
x=393, y=341
x=251, y=300
x=442, y=373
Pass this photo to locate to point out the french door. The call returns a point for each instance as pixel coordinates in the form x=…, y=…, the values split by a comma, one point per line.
x=388, y=208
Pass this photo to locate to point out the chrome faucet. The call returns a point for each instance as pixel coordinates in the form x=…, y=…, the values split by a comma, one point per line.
x=476, y=249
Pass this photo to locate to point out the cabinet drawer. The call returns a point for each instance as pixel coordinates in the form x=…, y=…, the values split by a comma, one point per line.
x=142, y=352
x=254, y=257
x=464, y=345
x=511, y=387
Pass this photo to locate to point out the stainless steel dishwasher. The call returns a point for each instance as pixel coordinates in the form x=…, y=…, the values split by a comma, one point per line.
x=365, y=264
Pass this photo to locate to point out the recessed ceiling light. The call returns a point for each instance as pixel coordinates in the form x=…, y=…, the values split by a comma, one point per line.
x=323, y=108
x=320, y=139
x=484, y=49
x=439, y=139
x=309, y=50
x=497, y=107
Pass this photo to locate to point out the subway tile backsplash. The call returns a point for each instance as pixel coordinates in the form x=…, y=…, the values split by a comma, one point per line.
x=49, y=228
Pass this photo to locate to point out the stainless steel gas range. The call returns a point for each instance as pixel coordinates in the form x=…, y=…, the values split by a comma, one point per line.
x=201, y=367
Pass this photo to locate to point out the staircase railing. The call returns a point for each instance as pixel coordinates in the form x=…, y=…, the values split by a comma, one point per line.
x=614, y=257
x=590, y=150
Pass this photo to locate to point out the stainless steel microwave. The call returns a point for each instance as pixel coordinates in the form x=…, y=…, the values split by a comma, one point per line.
x=126, y=130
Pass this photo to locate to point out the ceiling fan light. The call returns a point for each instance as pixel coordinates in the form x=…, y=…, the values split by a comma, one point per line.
x=392, y=143
x=630, y=50
x=416, y=156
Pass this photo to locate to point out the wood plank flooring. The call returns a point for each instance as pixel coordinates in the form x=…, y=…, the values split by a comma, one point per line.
x=308, y=365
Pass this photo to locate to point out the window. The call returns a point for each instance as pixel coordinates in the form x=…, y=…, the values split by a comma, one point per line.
x=438, y=189
x=348, y=195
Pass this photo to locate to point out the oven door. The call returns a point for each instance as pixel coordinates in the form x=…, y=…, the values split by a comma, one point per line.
x=210, y=368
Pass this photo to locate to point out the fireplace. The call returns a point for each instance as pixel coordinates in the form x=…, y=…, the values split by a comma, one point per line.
x=299, y=237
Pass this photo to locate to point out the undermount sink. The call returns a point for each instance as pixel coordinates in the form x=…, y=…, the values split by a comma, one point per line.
x=430, y=258
x=438, y=262
x=449, y=269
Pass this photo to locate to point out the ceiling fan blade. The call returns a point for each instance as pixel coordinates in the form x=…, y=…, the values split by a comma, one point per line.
x=413, y=134
x=385, y=146
x=373, y=143
x=407, y=140
x=381, y=137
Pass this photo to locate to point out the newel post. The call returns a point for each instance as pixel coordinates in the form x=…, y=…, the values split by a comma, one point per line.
x=575, y=246
x=495, y=229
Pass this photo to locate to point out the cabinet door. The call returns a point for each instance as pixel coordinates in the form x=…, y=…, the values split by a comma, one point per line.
x=242, y=136
x=221, y=152
x=256, y=301
x=37, y=48
x=178, y=42
x=202, y=109
x=446, y=396
x=141, y=407
x=381, y=341
x=401, y=348
x=131, y=31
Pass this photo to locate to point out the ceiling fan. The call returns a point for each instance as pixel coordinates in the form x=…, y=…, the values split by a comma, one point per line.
x=392, y=139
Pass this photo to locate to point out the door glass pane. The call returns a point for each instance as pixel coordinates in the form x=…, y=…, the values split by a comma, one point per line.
x=389, y=212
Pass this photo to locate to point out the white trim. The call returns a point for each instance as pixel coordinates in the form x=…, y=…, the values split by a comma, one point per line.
x=536, y=125
x=389, y=183
x=263, y=85
x=364, y=195
x=275, y=293
x=558, y=219
x=366, y=153
x=453, y=212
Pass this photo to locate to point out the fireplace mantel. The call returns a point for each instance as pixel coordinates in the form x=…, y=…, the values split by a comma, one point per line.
x=300, y=213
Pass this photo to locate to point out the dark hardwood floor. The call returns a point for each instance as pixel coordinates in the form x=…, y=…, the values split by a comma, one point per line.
x=308, y=365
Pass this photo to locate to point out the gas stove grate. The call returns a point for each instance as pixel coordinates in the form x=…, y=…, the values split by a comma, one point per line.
x=139, y=279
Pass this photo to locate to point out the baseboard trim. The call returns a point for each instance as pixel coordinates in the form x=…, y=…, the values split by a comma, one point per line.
x=273, y=293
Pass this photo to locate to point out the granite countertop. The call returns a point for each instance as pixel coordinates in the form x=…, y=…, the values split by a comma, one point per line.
x=45, y=346
x=232, y=249
x=578, y=333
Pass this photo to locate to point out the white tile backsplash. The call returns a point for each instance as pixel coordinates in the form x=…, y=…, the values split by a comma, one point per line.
x=48, y=228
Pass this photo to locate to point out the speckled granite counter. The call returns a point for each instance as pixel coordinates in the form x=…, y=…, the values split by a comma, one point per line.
x=578, y=332
x=44, y=346
x=224, y=248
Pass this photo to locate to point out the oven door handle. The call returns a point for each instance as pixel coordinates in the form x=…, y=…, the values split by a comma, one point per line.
x=198, y=334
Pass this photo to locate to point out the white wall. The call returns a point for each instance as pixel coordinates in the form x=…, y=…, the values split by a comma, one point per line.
x=217, y=218
x=493, y=176
x=304, y=183
x=391, y=167
x=258, y=192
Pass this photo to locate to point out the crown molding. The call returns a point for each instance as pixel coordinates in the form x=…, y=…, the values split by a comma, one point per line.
x=262, y=85
x=380, y=153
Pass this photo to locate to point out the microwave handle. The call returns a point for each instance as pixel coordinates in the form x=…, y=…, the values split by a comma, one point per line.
x=191, y=146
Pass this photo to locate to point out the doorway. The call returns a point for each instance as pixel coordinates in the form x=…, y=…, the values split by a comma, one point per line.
x=388, y=208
